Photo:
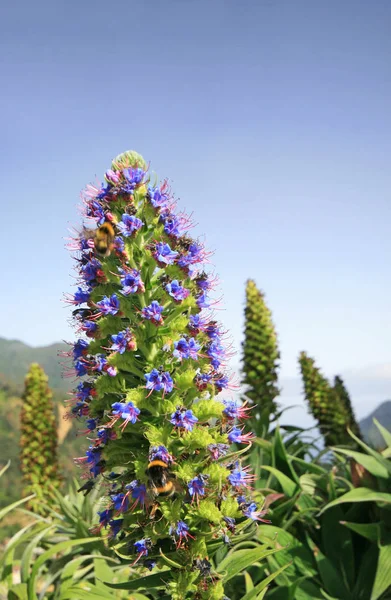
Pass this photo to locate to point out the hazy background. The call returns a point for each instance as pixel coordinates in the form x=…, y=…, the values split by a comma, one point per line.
x=272, y=119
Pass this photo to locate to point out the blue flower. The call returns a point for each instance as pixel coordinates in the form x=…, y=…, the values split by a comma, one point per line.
x=196, y=486
x=177, y=292
x=164, y=255
x=122, y=341
x=157, y=380
x=121, y=502
x=231, y=523
x=129, y=224
x=133, y=176
x=105, y=516
x=186, y=349
x=142, y=546
x=160, y=453
x=131, y=282
x=109, y=306
x=91, y=271
x=115, y=526
x=203, y=301
x=119, y=244
x=153, y=312
x=127, y=411
x=239, y=477
x=216, y=353
x=183, y=419
x=157, y=197
x=81, y=296
x=80, y=368
x=218, y=450
x=80, y=349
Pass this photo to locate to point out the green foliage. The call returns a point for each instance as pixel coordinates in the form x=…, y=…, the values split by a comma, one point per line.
x=331, y=522
x=38, y=439
x=260, y=358
x=329, y=405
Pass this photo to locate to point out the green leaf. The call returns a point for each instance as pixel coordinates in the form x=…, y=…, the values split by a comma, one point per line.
x=4, y=511
x=386, y=463
x=371, y=531
x=170, y=562
x=359, y=495
x=288, y=486
x=280, y=457
x=158, y=580
x=338, y=547
x=62, y=546
x=18, y=592
x=238, y=561
x=29, y=551
x=248, y=582
x=370, y=463
x=5, y=468
x=290, y=549
x=262, y=586
x=383, y=572
x=87, y=591
x=366, y=574
x=385, y=433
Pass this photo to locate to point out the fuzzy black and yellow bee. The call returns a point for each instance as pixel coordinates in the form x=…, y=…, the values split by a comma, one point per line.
x=160, y=481
x=103, y=238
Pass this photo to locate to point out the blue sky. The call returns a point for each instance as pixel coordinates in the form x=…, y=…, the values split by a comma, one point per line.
x=272, y=120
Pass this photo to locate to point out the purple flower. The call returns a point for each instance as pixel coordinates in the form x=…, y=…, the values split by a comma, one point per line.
x=122, y=341
x=104, y=190
x=177, y=292
x=127, y=411
x=105, y=516
x=91, y=424
x=203, y=301
x=112, y=371
x=174, y=225
x=231, y=524
x=183, y=419
x=160, y=453
x=164, y=255
x=131, y=282
x=195, y=255
x=119, y=244
x=181, y=532
x=153, y=312
x=186, y=349
x=89, y=327
x=133, y=176
x=202, y=379
x=197, y=323
x=236, y=436
x=221, y=382
x=250, y=511
x=109, y=306
x=157, y=380
x=138, y=492
x=197, y=485
x=96, y=210
x=112, y=176
x=121, y=502
x=84, y=390
x=234, y=409
x=100, y=363
x=240, y=477
x=81, y=296
x=142, y=546
x=80, y=349
x=129, y=224
x=216, y=353
x=115, y=526
x=158, y=197
x=91, y=271
x=218, y=450
x=80, y=367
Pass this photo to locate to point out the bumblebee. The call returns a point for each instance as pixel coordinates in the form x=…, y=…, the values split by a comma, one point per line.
x=103, y=238
x=161, y=482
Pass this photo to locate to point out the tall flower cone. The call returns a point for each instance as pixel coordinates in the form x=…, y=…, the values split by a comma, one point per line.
x=342, y=399
x=38, y=441
x=152, y=358
x=324, y=404
x=260, y=359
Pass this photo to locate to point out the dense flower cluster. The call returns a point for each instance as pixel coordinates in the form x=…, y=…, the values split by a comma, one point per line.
x=152, y=360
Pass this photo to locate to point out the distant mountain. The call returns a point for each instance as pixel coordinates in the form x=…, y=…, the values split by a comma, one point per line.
x=370, y=432
x=16, y=358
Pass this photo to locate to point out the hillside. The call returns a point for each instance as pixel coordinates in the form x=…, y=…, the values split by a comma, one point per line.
x=371, y=434
x=16, y=357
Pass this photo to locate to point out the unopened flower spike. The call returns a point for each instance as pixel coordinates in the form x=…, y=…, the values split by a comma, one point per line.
x=152, y=361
